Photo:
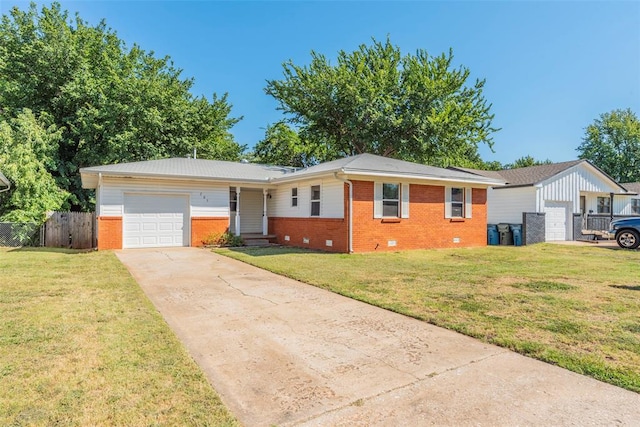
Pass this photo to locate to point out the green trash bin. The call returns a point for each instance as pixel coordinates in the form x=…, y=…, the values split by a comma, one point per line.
x=506, y=236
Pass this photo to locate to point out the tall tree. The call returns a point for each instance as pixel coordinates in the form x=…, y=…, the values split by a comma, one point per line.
x=283, y=146
x=612, y=142
x=375, y=100
x=112, y=103
x=27, y=147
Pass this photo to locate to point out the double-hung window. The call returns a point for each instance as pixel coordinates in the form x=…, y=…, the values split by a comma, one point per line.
x=315, y=200
x=604, y=205
x=391, y=200
x=635, y=206
x=458, y=202
x=294, y=197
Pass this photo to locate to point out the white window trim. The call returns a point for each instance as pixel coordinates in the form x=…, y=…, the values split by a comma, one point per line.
x=467, y=203
x=403, y=200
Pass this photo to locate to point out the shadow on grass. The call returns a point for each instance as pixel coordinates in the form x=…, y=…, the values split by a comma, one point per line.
x=257, y=251
x=626, y=287
x=51, y=250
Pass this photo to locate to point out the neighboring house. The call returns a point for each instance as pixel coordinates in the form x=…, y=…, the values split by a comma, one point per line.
x=5, y=185
x=634, y=198
x=569, y=194
x=357, y=204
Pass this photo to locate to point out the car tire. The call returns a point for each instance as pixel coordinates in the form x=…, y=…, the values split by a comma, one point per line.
x=628, y=239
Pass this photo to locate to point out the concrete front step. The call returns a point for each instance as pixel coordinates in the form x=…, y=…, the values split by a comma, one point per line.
x=256, y=242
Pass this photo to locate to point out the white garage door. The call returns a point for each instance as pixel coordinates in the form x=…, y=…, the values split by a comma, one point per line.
x=152, y=221
x=556, y=220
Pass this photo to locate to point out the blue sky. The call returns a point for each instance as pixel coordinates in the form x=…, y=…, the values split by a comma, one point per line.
x=551, y=68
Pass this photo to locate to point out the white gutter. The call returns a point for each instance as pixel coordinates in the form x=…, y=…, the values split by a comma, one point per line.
x=350, y=225
x=404, y=176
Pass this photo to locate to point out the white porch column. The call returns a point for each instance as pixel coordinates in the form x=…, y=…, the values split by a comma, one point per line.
x=265, y=218
x=237, y=211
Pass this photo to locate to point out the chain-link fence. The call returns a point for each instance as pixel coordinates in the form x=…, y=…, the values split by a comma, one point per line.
x=14, y=234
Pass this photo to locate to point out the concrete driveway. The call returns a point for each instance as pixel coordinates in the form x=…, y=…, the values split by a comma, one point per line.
x=280, y=352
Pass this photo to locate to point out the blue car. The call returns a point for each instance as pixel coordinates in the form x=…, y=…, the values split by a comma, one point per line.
x=627, y=232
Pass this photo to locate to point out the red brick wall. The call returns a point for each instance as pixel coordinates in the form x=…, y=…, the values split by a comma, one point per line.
x=202, y=227
x=317, y=230
x=426, y=226
x=109, y=232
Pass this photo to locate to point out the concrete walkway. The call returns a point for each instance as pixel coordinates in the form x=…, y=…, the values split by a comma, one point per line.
x=283, y=353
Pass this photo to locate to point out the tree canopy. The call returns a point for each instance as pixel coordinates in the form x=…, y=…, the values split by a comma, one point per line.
x=108, y=103
x=376, y=100
x=282, y=145
x=27, y=145
x=612, y=142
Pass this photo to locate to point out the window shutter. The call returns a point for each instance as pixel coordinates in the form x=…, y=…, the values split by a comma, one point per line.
x=447, y=202
x=377, y=200
x=467, y=202
x=404, y=209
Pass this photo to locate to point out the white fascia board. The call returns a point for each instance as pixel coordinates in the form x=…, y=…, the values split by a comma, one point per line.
x=261, y=183
x=418, y=177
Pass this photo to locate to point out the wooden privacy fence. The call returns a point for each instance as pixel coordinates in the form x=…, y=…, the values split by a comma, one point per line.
x=75, y=230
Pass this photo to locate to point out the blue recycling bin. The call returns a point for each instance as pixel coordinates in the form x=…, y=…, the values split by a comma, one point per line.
x=516, y=229
x=493, y=237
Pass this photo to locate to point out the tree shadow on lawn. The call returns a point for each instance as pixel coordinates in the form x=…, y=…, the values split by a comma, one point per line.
x=626, y=287
x=64, y=251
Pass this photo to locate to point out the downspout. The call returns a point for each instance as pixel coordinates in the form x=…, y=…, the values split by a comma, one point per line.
x=350, y=225
x=96, y=223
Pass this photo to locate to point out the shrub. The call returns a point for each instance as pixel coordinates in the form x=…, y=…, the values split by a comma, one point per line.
x=222, y=239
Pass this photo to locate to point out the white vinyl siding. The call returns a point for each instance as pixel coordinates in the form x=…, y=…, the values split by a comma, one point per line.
x=507, y=204
x=568, y=185
x=207, y=200
x=331, y=199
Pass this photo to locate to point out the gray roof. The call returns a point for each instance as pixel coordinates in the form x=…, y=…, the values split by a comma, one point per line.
x=633, y=187
x=4, y=181
x=190, y=168
x=532, y=175
x=371, y=164
x=362, y=164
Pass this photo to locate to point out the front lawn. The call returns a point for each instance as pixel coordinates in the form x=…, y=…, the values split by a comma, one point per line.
x=577, y=307
x=81, y=345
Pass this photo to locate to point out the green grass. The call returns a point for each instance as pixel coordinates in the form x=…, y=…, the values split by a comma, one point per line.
x=81, y=345
x=577, y=307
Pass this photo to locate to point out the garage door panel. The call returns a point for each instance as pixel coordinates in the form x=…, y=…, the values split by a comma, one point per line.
x=556, y=220
x=155, y=221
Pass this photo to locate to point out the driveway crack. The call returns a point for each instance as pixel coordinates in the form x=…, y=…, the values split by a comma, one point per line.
x=244, y=293
x=360, y=401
